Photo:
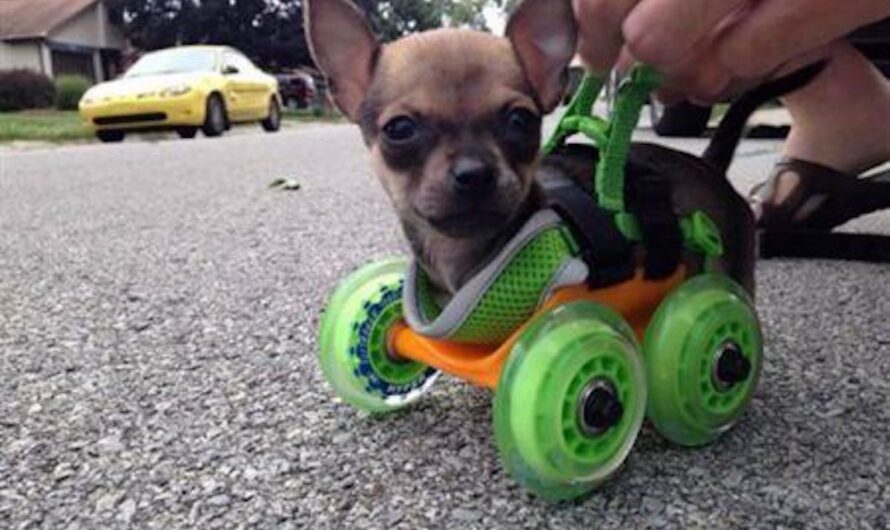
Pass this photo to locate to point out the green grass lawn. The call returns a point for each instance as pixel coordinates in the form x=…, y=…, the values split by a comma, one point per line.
x=59, y=126
x=310, y=116
x=42, y=125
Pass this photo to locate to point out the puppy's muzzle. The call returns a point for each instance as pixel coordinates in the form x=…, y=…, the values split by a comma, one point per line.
x=473, y=176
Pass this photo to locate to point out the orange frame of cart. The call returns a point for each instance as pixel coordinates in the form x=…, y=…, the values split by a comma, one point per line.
x=636, y=300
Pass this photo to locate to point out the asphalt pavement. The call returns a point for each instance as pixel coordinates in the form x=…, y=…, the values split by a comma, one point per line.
x=158, y=313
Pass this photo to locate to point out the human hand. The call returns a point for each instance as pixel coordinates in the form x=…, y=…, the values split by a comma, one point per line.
x=708, y=48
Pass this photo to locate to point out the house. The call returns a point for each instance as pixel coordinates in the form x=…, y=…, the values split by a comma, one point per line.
x=58, y=37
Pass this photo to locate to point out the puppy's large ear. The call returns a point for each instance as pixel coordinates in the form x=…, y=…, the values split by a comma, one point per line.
x=544, y=35
x=344, y=48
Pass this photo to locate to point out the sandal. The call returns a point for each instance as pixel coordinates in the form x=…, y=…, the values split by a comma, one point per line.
x=813, y=199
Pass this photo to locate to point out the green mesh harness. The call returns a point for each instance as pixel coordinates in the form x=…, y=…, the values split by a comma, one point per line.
x=541, y=258
x=545, y=255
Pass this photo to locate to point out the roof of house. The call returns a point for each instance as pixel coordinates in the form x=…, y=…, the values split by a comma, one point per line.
x=26, y=19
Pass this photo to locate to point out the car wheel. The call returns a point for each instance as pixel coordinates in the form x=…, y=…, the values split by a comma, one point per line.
x=292, y=103
x=215, y=122
x=187, y=132
x=110, y=137
x=273, y=122
x=680, y=120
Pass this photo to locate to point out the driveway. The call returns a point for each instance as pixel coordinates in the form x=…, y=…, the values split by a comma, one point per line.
x=158, y=308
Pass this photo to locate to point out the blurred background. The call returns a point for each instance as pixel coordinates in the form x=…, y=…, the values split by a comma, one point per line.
x=53, y=51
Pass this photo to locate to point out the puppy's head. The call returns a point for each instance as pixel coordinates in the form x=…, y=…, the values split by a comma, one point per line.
x=452, y=118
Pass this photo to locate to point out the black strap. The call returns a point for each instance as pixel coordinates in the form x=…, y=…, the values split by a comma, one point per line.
x=824, y=245
x=605, y=250
x=651, y=203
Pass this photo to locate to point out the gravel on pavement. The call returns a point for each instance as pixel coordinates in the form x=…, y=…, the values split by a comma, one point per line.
x=158, y=314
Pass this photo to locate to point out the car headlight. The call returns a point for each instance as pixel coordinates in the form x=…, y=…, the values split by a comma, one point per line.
x=175, y=90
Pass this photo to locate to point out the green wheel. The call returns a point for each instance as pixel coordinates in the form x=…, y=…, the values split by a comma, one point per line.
x=703, y=353
x=354, y=342
x=570, y=401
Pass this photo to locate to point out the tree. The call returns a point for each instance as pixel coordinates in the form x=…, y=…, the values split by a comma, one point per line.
x=395, y=18
x=468, y=13
x=271, y=31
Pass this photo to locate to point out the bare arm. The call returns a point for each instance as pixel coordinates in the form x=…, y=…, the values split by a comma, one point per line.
x=708, y=47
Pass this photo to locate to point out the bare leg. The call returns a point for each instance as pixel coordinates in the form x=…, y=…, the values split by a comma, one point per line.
x=841, y=120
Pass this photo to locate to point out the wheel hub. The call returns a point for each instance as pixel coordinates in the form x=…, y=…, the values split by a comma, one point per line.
x=599, y=408
x=391, y=349
x=731, y=367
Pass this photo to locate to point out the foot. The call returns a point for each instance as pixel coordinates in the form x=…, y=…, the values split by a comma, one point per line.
x=810, y=196
x=840, y=123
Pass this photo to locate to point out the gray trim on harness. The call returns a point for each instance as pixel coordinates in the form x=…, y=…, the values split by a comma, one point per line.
x=573, y=272
x=464, y=302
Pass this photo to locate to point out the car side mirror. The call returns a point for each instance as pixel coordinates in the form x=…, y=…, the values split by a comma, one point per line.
x=230, y=70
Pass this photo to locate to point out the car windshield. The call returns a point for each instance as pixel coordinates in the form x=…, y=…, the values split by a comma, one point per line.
x=174, y=62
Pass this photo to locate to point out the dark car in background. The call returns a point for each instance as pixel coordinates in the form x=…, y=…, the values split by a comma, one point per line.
x=297, y=90
x=686, y=119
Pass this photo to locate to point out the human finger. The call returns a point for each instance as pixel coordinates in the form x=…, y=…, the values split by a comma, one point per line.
x=599, y=31
x=776, y=31
x=663, y=32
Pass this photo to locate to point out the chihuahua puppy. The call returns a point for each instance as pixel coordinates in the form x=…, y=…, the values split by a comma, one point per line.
x=452, y=119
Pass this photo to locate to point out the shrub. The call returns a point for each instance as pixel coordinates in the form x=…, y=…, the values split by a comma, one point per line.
x=69, y=90
x=25, y=89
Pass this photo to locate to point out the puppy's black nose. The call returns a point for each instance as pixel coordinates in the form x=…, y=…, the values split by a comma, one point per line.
x=473, y=175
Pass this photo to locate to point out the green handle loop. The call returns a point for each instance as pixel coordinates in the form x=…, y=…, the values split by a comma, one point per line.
x=633, y=95
x=585, y=98
x=579, y=115
x=613, y=139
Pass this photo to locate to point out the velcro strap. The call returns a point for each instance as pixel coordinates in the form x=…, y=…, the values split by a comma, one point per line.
x=651, y=204
x=605, y=250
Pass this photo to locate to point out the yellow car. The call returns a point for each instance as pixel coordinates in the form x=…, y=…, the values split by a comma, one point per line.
x=184, y=89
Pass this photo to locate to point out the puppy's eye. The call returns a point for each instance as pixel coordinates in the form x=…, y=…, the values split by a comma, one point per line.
x=400, y=130
x=521, y=119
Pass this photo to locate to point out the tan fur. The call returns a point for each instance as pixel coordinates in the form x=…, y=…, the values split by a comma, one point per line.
x=463, y=89
x=448, y=74
x=451, y=77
